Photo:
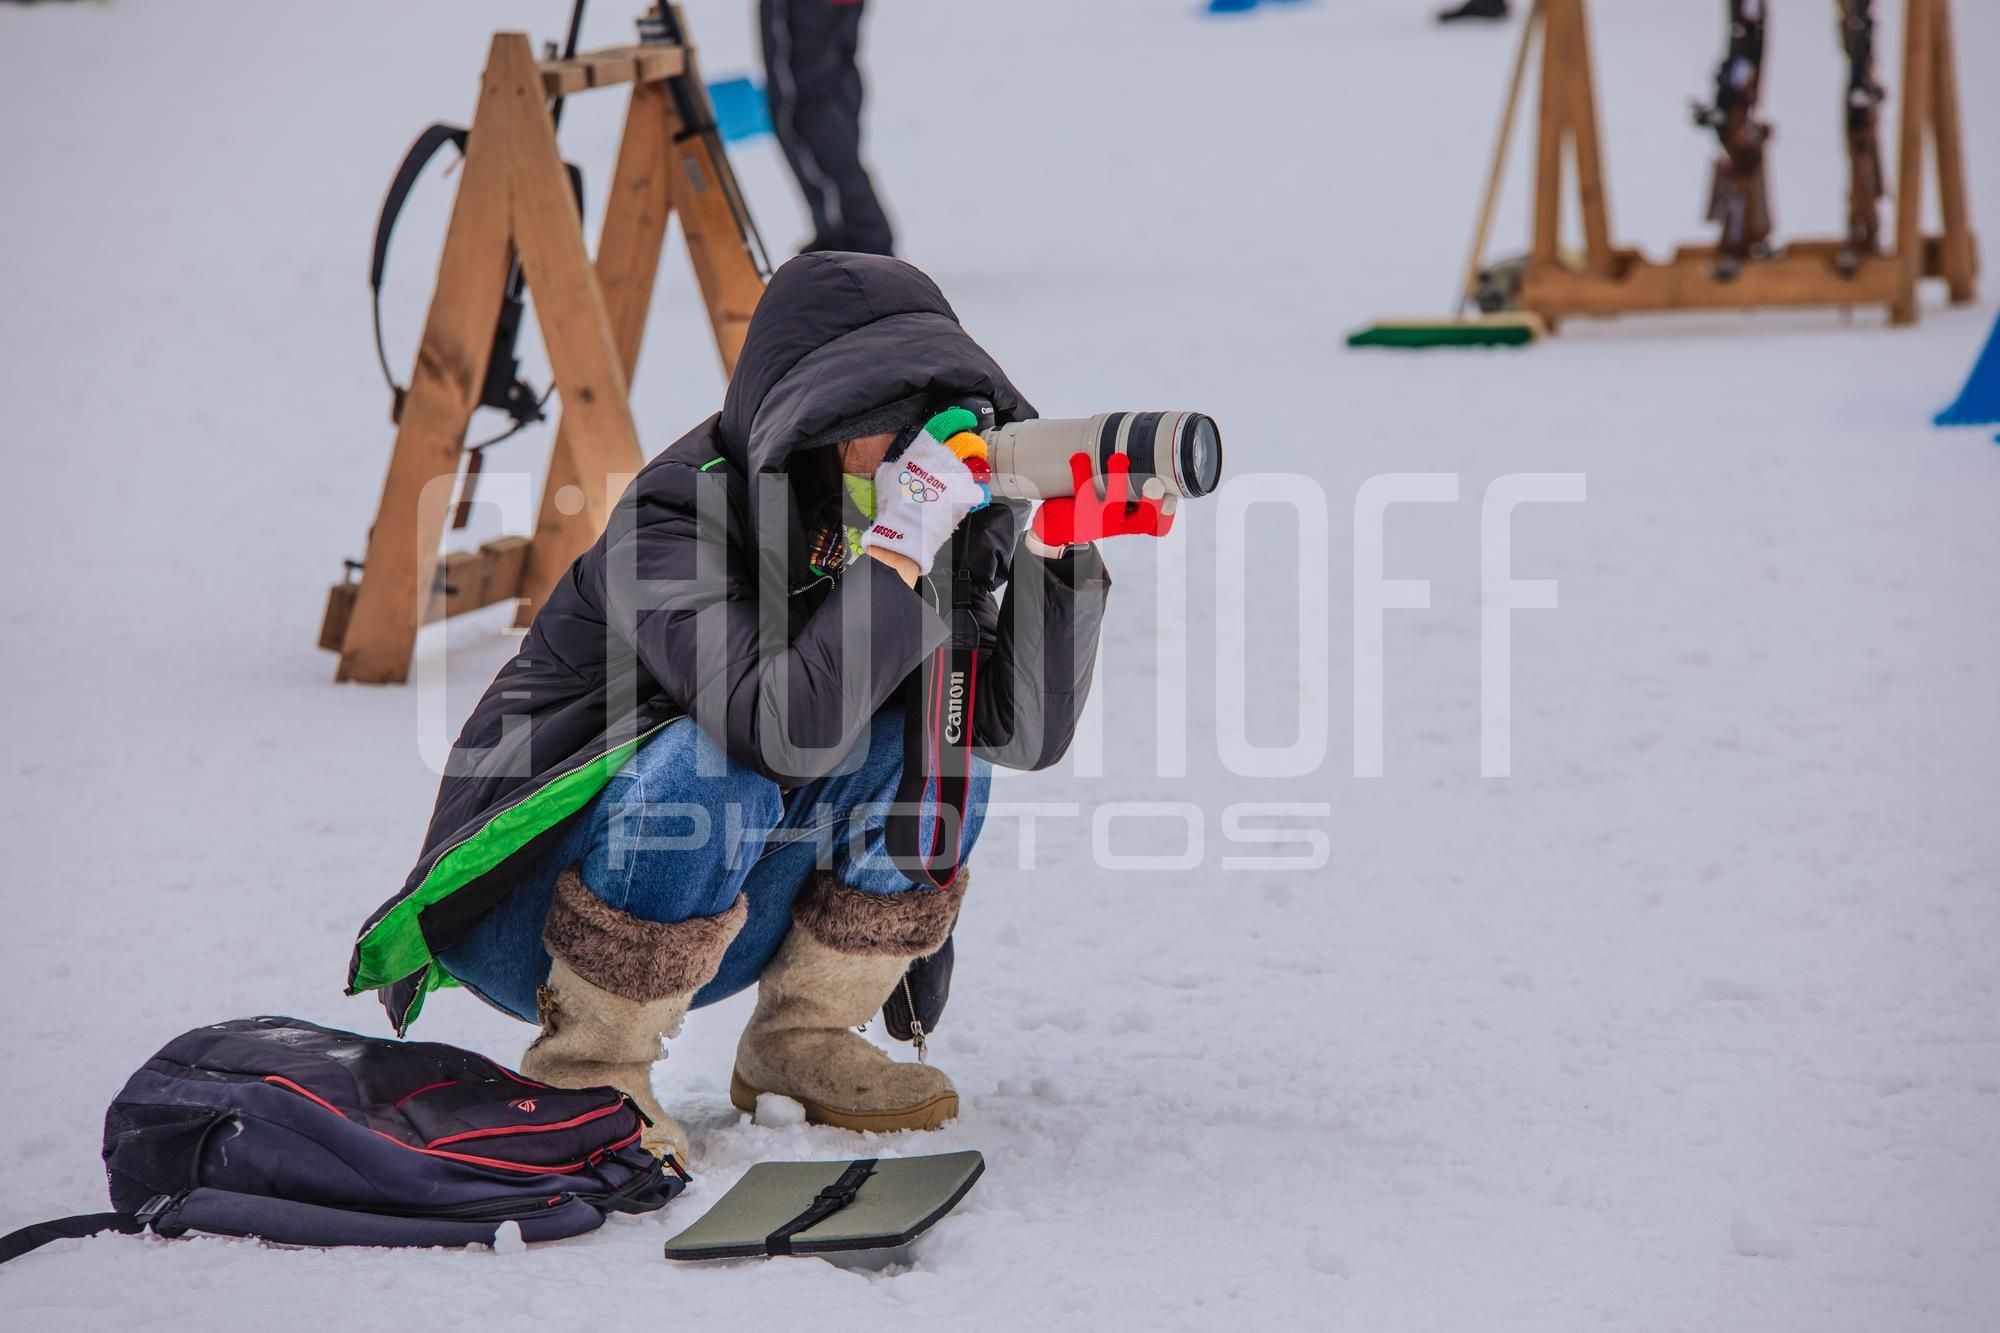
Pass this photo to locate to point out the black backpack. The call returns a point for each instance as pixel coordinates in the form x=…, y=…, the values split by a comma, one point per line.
x=304, y=1135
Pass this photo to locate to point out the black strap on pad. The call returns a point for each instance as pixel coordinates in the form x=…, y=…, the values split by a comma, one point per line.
x=824, y=1205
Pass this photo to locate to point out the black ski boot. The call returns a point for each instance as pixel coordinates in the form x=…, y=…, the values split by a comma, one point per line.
x=1474, y=9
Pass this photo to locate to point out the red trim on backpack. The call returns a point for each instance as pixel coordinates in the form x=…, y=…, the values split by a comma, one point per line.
x=307, y=1092
x=591, y=1160
x=426, y=1088
x=526, y=1082
x=583, y=1119
x=494, y=1162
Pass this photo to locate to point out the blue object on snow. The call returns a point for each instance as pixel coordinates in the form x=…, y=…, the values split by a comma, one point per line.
x=1978, y=403
x=1245, y=6
x=741, y=112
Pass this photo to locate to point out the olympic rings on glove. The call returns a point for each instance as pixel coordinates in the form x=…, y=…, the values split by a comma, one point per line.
x=918, y=491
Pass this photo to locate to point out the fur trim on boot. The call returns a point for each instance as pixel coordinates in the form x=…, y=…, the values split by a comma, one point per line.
x=633, y=957
x=910, y=925
x=618, y=985
x=845, y=953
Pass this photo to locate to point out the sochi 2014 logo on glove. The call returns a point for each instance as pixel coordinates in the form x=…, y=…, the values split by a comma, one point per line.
x=921, y=485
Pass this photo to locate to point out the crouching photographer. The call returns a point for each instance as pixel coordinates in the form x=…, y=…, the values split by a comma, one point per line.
x=747, y=740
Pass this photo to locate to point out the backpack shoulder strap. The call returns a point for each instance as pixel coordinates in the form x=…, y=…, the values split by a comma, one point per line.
x=31, y=1238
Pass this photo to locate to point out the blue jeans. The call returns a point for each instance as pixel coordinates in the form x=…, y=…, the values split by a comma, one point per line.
x=680, y=830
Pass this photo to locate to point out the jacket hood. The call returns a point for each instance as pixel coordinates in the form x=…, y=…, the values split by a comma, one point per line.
x=842, y=345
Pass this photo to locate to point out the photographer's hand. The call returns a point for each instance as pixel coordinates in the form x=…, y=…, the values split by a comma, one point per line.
x=1072, y=520
x=906, y=568
x=922, y=497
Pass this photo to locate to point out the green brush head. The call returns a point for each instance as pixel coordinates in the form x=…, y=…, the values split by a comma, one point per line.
x=1444, y=333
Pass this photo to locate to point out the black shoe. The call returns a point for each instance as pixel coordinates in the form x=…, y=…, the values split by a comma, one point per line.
x=1475, y=9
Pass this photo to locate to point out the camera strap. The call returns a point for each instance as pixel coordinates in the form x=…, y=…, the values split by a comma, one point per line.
x=923, y=838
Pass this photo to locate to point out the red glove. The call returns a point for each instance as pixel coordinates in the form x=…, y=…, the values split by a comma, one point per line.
x=1072, y=519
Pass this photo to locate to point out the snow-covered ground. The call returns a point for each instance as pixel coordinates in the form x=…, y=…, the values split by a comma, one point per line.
x=1690, y=1023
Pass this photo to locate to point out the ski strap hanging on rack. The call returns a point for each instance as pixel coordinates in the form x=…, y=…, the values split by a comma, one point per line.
x=421, y=152
x=503, y=387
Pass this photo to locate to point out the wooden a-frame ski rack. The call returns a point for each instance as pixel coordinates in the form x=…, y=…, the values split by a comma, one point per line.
x=514, y=198
x=1614, y=280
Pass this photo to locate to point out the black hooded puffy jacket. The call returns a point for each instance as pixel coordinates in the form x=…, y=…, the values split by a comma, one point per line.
x=699, y=599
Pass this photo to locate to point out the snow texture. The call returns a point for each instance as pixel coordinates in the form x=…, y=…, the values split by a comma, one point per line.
x=778, y=1111
x=1690, y=1023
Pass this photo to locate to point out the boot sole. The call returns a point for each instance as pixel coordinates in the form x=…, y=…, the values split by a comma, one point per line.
x=926, y=1115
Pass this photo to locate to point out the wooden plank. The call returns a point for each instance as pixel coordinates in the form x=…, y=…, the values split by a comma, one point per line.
x=1547, y=243
x=723, y=270
x=562, y=78
x=444, y=389
x=658, y=61
x=1931, y=265
x=611, y=67
x=1961, y=263
x=1937, y=261
x=635, y=220
x=717, y=246
x=470, y=580
x=502, y=561
x=339, y=610
x=583, y=354
x=1589, y=160
x=465, y=581
x=456, y=587
x=608, y=69
x=628, y=263
x=1687, y=283
x=1916, y=105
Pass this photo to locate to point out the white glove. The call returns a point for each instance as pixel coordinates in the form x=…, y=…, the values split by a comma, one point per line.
x=920, y=499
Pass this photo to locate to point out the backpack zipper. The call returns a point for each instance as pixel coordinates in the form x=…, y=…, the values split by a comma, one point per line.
x=499, y=1131
x=527, y=1168
x=479, y=1211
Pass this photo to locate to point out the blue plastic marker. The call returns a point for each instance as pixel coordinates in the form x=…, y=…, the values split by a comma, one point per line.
x=741, y=111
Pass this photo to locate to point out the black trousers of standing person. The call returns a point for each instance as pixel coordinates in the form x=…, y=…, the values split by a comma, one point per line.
x=815, y=92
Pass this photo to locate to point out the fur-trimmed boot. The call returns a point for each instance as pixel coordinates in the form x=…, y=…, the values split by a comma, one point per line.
x=844, y=954
x=618, y=987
